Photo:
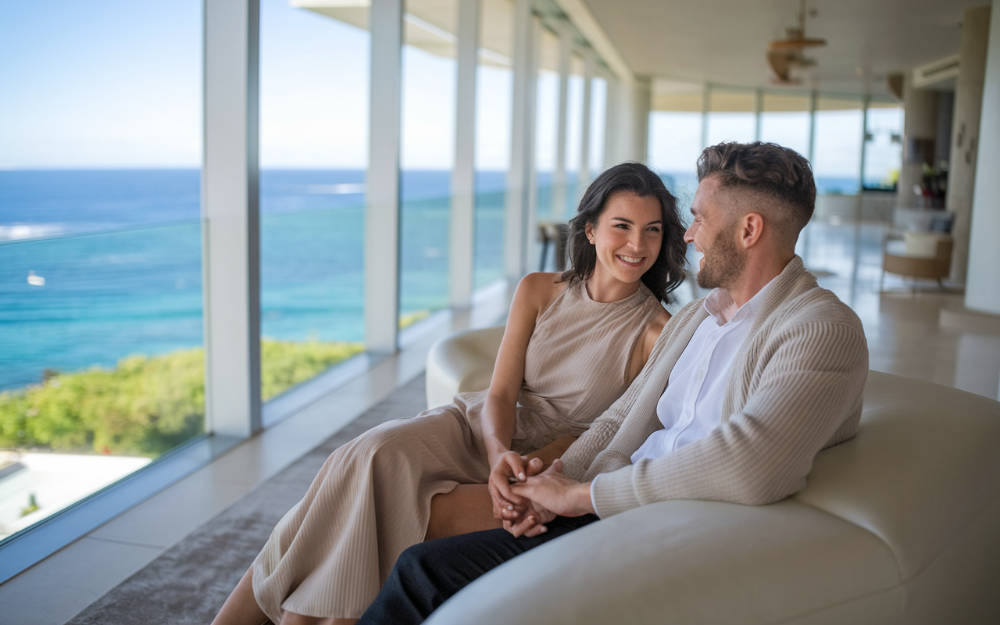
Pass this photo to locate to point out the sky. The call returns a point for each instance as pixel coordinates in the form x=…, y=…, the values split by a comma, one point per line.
x=100, y=83
x=111, y=83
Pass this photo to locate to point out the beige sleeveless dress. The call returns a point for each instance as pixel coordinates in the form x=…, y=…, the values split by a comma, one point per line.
x=329, y=555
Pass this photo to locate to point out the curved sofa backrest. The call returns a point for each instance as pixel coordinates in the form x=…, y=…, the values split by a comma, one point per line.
x=924, y=465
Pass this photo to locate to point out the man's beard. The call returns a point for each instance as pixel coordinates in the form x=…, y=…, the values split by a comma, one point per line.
x=723, y=261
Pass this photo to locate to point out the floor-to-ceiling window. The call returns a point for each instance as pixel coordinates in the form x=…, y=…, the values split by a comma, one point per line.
x=494, y=83
x=784, y=119
x=837, y=153
x=598, y=108
x=730, y=114
x=101, y=360
x=832, y=236
x=883, y=145
x=574, y=134
x=313, y=152
x=675, y=125
x=428, y=152
x=546, y=122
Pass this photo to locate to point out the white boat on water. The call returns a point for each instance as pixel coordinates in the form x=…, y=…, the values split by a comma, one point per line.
x=35, y=279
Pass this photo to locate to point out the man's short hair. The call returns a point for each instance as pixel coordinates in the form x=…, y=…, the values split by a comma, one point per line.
x=774, y=171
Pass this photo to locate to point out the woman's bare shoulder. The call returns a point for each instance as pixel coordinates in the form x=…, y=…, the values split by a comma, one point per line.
x=540, y=288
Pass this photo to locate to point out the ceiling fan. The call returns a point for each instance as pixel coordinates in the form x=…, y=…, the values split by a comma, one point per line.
x=785, y=55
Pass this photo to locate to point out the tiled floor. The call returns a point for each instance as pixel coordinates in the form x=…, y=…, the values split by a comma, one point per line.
x=904, y=334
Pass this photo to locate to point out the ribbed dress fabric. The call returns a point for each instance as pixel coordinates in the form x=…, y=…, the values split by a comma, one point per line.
x=329, y=555
x=795, y=388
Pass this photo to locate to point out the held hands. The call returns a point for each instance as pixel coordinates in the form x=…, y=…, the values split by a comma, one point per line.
x=547, y=494
x=510, y=467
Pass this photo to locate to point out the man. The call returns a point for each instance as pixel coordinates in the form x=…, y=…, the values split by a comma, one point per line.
x=741, y=391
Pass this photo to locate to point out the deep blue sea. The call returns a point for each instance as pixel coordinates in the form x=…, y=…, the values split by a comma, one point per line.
x=96, y=265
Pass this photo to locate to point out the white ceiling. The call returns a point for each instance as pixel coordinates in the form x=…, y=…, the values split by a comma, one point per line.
x=724, y=41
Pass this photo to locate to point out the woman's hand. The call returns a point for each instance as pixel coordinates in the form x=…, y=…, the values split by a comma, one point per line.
x=510, y=467
x=531, y=522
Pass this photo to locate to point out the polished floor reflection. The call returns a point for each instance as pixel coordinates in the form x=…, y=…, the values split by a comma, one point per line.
x=903, y=321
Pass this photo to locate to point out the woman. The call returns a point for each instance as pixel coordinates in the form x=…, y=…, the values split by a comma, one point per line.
x=572, y=344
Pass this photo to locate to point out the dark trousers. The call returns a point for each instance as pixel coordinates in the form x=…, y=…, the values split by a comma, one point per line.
x=427, y=574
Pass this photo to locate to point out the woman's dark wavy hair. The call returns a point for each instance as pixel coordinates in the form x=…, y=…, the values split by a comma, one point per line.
x=667, y=272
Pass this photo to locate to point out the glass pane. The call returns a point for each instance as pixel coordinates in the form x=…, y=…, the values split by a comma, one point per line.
x=546, y=129
x=313, y=152
x=428, y=153
x=574, y=135
x=493, y=118
x=784, y=120
x=883, y=146
x=837, y=154
x=598, y=104
x=675, y=137
x=730, y=115
x=101, y=362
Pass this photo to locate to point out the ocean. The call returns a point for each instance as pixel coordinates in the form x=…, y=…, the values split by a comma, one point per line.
x=96, y=265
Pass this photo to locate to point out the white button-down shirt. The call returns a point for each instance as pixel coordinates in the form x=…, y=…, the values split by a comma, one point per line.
x=691, y=405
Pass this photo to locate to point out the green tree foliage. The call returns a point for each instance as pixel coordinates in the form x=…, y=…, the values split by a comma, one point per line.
x=147, y=404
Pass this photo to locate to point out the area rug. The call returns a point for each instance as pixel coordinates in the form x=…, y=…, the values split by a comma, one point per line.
x=188, y=583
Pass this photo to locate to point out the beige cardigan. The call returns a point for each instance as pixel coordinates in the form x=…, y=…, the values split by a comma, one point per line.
x=796, y=388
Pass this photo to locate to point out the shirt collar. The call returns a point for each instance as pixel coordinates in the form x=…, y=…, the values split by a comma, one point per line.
x=723, y=309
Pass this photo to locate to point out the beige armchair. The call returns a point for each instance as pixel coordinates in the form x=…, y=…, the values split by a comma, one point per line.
x=917, y=255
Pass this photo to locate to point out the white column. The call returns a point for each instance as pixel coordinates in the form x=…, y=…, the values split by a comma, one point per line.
x=529, y=229
x=982, y=289
x=612, y=121
x=965, y=134
x=588, y=85
x=640, y=99
x=559, y=175
x=382, y=188
x=522, y=142
x=463, y=175
x=231, y=219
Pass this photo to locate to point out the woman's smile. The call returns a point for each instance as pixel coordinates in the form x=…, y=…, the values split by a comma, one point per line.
x=631, y=261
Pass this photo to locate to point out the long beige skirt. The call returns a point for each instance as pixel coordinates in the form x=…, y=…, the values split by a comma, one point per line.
x=330, y=554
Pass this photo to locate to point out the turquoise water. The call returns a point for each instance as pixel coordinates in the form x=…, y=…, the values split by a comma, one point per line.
x=120, y=256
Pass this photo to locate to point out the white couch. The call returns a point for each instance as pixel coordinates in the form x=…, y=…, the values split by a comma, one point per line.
x=900, y=525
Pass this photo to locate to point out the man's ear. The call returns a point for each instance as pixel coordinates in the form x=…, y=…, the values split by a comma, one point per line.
x=752, y=229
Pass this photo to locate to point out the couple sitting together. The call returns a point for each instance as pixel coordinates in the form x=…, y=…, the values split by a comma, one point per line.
x=599, y=402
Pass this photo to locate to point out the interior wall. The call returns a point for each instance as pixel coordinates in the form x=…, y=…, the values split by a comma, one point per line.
x=982, y=287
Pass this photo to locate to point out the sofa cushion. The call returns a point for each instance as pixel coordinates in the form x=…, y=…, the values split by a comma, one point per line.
x=692, y=562
x=924, y=464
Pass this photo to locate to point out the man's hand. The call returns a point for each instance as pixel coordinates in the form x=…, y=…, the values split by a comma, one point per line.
x=531, y=522
x=556, y=493
x=510, y=467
